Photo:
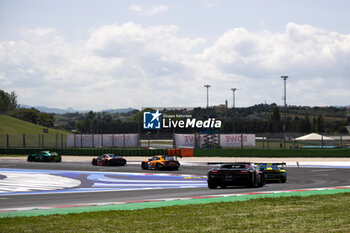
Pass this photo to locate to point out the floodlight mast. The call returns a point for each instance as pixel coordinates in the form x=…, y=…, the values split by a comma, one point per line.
x=207, y=86
x=233, y=108
x=285, y=110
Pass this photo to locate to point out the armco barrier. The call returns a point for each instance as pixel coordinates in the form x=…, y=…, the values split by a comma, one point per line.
x=271, y=152
x=196, y=152
x=81, y=151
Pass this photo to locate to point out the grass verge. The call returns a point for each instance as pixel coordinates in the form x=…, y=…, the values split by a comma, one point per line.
x=321, y=213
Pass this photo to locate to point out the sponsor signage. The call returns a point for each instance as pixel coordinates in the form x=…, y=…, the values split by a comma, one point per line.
x=226, y=140
x=154, y=120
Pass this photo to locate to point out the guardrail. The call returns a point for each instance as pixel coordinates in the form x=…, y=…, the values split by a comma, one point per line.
x=188, y=152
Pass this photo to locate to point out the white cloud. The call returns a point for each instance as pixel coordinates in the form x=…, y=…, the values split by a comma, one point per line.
x=149, y=11
x=210, y=4
x=131, y=65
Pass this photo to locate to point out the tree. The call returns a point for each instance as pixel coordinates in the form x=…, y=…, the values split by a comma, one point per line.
x=274, y=125
x=320, y=123
x=8, y=102
x=305, y=125
x=275, y=116
x=13, y=101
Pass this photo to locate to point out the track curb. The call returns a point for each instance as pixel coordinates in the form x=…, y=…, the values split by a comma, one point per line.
x=143, y=204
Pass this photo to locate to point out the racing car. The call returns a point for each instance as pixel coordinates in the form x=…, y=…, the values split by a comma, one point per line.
x=235, y=174
x=273, y=171
x=108, y=160
x=161, y=162
x=44, y=156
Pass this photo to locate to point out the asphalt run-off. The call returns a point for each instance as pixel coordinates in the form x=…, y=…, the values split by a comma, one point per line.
x=31, y=189
x=23, y=181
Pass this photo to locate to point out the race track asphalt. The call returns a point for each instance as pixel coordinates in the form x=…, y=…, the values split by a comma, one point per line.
x=298, y=178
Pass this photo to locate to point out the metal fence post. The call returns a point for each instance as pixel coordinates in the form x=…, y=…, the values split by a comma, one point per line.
x=93, y=140
x=7, y=141
x=341, y=141
x=112, y=139
x=124, y=141
x=241, y=140
x=263, y=144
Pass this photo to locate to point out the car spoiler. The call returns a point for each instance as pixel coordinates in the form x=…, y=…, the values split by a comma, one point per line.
x=228, y=163
x=283, y=164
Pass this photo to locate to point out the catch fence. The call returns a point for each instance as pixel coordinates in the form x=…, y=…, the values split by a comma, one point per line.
x=206, y=141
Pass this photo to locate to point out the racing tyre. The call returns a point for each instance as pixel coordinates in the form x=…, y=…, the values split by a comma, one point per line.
x=262, y=181
x=283, y=180
x=157, y=166
x=253, y=183
x=30, y=158
x=144, y=165
x=94, y=162
x=212, y=185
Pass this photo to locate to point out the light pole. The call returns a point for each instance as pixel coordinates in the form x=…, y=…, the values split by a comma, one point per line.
x=233, y=108
x=285, y=110
x=207, y=86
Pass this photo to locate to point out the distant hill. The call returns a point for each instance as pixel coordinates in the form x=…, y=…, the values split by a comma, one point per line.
x=71, y=110
x=10, y=125
x=121, y=110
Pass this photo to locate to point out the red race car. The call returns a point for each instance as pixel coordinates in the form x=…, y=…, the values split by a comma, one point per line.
x=109, y=160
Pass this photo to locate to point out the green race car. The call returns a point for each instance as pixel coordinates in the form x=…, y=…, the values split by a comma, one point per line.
x=44, y=156
x=273, y=172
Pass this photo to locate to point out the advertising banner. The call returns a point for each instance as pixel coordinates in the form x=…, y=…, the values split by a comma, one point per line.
x=185, y=140
x=225, y=140
x=235, y=140
x=102, y=140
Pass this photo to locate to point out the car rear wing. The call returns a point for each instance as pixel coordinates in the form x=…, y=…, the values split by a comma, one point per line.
x=228, y=163
x=271, y=164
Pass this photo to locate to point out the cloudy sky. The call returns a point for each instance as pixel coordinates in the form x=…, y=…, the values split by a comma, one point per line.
x=95, y=55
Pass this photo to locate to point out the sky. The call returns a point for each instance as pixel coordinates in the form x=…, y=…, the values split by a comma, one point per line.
x=110, y=54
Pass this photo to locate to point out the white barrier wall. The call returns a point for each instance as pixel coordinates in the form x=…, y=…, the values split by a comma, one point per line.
x=225, y=140
x=102, y=140
x=185, y=140
x=235, y=140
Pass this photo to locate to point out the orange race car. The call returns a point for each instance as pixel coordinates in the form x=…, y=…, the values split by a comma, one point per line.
x=159, y=162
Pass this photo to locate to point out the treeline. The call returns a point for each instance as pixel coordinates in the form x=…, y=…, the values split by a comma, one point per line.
x=261, y=118
x=9, y=106
x=104, y=123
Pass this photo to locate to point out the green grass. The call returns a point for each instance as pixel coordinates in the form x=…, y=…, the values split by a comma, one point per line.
x=6, y=155
x=14, y=126
x=323, y=213
x=12, y=131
